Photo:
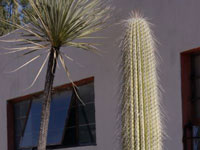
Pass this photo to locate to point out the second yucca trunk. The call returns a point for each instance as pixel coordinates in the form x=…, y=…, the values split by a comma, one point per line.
x=141, y=125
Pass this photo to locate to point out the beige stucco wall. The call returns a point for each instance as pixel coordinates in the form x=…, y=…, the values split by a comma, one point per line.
x=177, y=28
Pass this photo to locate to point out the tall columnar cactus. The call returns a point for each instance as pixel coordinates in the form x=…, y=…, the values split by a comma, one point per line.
x=141, y=123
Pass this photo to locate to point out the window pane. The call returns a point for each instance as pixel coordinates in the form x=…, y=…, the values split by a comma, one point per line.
x=87, y=135
x=196, y=135
x=21, y=109
x=86, y=92
x=19, y=126
x=17, y=141
x=31, y=133
x=196, y=107
x=86, y=114
x=70, y=137
x=197, y=88
x=197, y=65
x=68, y=126
x=196, y=144
x=196, y=131
x=72, y=117
x=59, y=110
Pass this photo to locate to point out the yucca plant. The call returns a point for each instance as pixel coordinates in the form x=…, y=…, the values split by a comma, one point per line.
x=140, y=113
x=54, y=24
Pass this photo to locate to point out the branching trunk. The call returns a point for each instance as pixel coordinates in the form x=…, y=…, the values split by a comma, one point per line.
x=47, y=101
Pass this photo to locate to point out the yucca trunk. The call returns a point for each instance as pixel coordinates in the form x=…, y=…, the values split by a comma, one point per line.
x=141, y=124
x=51, y=68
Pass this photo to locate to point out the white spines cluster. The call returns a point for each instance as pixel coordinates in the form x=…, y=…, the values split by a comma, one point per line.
x=141, y=123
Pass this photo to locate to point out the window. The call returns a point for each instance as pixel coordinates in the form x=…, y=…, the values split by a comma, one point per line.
x=71, y=123
x=190, y=72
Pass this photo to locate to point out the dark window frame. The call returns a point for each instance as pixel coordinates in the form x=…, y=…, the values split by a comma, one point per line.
x=187, y=83
x=10, y=111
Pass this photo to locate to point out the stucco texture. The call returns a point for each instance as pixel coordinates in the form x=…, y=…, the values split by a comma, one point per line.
x=176, y=27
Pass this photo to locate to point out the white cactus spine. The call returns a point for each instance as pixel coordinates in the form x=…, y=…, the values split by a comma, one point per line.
x=141, y=121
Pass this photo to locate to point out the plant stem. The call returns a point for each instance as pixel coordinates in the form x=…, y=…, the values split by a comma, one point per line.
x=47, y=101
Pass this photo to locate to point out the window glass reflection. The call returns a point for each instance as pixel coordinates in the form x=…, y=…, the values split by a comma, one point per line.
x=196, y=136
x=71, y=123
x=59, y=109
